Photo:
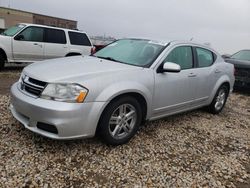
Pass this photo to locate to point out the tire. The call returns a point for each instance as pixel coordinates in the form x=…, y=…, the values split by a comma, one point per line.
x=120, y=121
x=2, y=62
x=219, y=100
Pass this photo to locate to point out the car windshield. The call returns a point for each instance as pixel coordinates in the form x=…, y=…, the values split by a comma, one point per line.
x=135, y=52
x=13, y=30
x=242, y=55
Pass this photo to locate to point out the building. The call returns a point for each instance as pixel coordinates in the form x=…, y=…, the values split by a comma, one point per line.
x=10, y=17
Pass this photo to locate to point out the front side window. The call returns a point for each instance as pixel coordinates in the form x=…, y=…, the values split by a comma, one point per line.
x=13, y=30
x=55, y=36
x=137, y=52
x=79, y=39
x=205, y=57
x=182, y=56
x=34, y=34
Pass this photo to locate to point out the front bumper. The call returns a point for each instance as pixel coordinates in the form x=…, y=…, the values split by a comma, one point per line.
x=72, y=120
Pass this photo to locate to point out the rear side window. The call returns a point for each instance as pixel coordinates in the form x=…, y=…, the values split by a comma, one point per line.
x=182, y=56
x=79, y=39
x=55, y=36
x=205, y=57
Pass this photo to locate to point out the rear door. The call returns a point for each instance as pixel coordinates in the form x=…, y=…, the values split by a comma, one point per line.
x=28, y=45
x=207, y=74
x=79, y=42
x=55, y=43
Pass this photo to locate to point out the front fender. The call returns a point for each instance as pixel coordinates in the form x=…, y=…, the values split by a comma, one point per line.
x=6, y=47
x=117, y=89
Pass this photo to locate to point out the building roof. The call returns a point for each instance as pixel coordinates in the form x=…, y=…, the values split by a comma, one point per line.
x=36, y=13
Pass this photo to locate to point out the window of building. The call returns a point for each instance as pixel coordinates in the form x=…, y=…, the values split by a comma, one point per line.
x=40, y=21
x=79, y=39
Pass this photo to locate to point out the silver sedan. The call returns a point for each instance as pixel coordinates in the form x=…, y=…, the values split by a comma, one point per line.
x=111, y=92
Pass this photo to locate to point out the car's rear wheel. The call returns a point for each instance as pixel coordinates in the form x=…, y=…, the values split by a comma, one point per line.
x=219, y=100
x=120, y=121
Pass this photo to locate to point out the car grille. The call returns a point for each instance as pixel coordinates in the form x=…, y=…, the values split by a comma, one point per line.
x=32, y=86
x=242, y=72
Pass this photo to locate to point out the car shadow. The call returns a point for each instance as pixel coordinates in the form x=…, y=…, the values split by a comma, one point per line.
x=13, y=68
x=242, y=91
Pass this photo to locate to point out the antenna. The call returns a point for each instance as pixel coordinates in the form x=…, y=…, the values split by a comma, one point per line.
x=9, y=4
x=192, y=39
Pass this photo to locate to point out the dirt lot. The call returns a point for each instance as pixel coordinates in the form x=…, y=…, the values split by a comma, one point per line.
x=195, y=149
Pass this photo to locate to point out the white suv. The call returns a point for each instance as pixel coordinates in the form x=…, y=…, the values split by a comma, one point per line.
x=31, y=42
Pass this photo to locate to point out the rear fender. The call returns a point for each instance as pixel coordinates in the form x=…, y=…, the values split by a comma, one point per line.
x=223, y=79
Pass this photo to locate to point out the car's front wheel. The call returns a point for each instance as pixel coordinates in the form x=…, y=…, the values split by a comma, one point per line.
x=219, y=100
x=120, y=121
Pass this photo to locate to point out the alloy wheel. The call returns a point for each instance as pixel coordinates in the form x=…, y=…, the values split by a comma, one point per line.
x=220, y=99
x=122, y=121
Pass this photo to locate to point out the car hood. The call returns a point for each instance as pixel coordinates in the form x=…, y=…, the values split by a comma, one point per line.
x=239, y=63
x=4, y=37
x=71, y=68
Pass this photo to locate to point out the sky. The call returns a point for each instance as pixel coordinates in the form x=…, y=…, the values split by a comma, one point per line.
x=225, y=24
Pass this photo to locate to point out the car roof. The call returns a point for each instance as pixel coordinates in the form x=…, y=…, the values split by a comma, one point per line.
x=52, y=27
x=175, y=42
x=244, y=50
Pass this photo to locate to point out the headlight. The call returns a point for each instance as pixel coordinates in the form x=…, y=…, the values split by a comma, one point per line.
x=21, y=77
x=65, y=92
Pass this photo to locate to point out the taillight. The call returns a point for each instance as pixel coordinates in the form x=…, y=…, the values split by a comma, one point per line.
x=93, y=50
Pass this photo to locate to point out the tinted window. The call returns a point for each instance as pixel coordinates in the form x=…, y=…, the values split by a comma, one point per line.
x=205, y=57
x=34, y=34
x=55, y=36
x=182, y=56
x=242, y=55
x=79, y=39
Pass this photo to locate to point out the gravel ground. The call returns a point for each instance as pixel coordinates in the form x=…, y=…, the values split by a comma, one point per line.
x=195, y=149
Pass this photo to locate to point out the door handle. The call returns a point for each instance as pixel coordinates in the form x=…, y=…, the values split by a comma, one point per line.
x=192, y=75
x=217, y=71
x=36, y=44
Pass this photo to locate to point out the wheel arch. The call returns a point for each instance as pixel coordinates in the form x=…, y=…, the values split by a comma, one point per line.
x=224, y=80
x=2, y=52
x=138, y=96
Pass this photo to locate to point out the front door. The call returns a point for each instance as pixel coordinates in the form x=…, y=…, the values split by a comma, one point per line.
x=28, y=45
x=174, y=92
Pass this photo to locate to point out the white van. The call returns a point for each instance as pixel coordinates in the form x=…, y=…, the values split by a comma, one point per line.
x=26, y=43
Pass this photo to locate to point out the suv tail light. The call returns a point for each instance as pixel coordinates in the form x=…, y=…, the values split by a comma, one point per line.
x=93, y=50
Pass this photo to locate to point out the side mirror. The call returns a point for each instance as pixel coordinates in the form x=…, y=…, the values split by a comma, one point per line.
x=19, y=37
x=225, y=56
x=171, y=67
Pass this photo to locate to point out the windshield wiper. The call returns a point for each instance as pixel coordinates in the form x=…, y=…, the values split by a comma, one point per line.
x=108, y=58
